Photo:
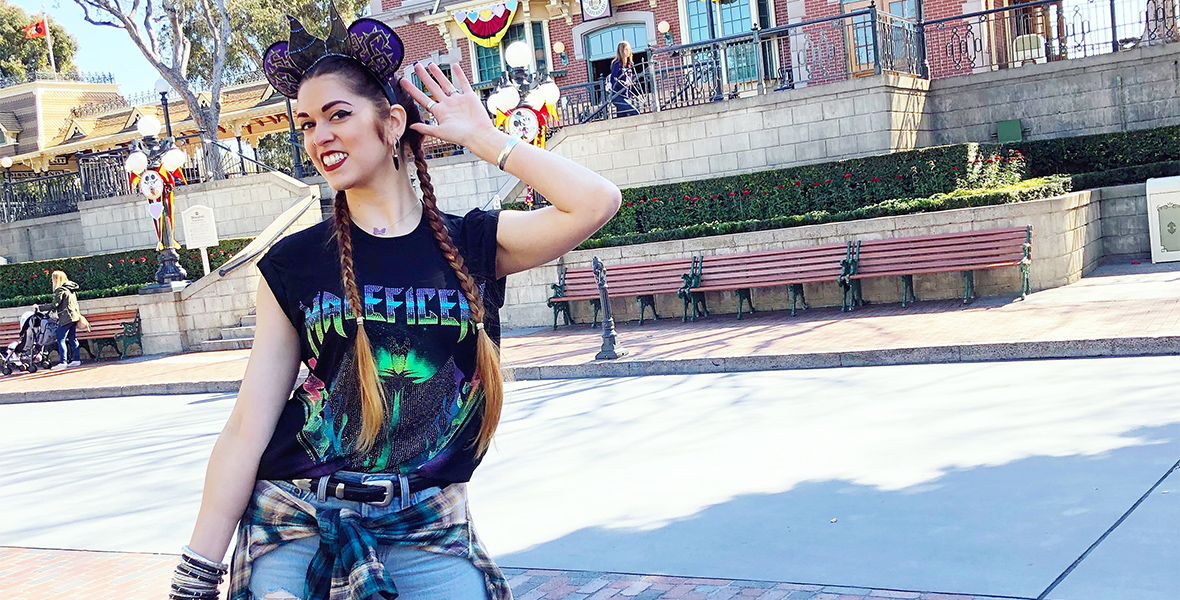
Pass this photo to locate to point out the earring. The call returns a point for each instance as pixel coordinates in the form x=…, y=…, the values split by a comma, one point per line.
x=397, y=150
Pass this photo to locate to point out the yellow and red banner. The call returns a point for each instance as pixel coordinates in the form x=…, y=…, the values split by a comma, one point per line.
x=487, y=25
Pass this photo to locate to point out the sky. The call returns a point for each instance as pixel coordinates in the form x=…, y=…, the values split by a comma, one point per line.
x=100, y=49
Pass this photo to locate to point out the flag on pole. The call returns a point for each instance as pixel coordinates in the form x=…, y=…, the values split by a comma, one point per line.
x=37, y=29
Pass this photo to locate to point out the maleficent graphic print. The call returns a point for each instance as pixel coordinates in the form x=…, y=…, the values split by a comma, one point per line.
x=419, y=325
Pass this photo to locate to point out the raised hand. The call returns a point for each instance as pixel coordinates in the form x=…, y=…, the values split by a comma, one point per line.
x=459, y=113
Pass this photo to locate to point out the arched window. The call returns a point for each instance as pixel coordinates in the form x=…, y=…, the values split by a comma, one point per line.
x=601, y=44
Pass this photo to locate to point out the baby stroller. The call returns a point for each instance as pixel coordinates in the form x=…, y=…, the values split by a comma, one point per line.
x=38, y=334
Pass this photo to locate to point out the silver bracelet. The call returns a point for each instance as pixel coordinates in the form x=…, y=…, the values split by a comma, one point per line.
x=512, y=142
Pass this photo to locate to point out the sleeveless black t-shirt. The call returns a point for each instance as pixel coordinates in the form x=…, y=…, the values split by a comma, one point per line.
x=419, y=325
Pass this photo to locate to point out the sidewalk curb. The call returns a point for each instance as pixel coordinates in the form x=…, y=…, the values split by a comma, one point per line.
x=964, y=353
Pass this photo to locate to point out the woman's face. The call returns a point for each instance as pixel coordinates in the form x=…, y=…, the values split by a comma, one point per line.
x=340, y=132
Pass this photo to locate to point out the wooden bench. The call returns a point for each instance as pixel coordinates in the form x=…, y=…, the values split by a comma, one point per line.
x=640, y=280
x=792, y=267
x=106, y=329
x=965, y=252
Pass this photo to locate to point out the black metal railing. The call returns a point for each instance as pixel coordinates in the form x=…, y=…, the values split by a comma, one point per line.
x=871, y=41
x=31, y=198
x=14, y=80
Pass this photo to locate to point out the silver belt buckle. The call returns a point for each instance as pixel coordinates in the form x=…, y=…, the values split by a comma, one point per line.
x=388, y=485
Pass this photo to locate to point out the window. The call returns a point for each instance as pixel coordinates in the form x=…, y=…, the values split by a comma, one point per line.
x=698, y=20
x=540, y=48
x=605, y=42
x=487, y=63
x=3, y=137
x=735, y=18
x=446, y=69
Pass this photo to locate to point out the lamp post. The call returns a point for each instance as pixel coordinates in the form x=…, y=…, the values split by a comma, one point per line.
x=559, y=48
x=6, y=162
x=523, y=103
x=162, y=88
x=153, y=164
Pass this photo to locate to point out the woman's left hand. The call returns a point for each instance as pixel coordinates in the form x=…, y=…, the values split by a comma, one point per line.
x=457, y=109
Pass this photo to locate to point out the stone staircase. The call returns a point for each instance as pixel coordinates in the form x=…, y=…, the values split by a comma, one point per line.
x=234, y=338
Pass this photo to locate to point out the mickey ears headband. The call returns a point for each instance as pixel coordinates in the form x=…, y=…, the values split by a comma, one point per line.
x=368, y=41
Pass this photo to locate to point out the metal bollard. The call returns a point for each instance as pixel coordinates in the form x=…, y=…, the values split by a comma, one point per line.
x=610, y=350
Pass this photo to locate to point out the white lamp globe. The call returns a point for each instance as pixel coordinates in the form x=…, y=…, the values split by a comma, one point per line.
x=148, y=126
x=549, y=92
x=505, y=99
x=517, y=55
x=136, y=163
x=173, y=159
x=6, y=162
x=663, y=27
x=162, y=86
x=535, y=99
x=558, y=47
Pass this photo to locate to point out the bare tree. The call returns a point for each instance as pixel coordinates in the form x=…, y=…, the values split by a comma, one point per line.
x=160, y=29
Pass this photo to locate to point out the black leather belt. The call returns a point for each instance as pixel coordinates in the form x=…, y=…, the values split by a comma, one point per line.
x=380, y=493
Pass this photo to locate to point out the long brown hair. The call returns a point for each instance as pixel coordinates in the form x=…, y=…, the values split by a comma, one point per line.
x=487, y=370
x=623, y=54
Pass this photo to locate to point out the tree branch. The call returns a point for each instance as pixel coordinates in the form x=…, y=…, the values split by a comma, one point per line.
x=86, y=6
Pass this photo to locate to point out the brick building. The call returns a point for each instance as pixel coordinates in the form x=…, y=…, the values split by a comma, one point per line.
x=837, y=46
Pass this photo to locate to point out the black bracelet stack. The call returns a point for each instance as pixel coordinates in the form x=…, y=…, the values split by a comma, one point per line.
x=196, y=577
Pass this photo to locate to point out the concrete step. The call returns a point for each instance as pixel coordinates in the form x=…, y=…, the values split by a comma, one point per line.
x=235, y=344
x=249, y=321
x=237, y=333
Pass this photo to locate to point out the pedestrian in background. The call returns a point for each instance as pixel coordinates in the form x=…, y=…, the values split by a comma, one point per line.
x=622, y=78
x=65, y=305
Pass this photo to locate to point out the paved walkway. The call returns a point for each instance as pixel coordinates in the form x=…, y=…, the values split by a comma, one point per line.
x=1120, y=310
x=36, y=574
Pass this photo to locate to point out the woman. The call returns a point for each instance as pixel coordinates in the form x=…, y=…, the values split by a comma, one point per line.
x=622, y=75
x=354, y=484
x=65, y=304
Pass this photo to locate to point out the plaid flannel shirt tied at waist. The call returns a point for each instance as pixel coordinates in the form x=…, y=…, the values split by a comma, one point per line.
x=346, y=565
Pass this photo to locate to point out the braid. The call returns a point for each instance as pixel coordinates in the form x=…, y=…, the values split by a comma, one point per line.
x=487, y=370
x=372, y=393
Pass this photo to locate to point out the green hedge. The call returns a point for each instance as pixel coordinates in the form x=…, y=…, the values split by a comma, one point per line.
x=1032, y=189
x=101, y=275
x=1125, y=175
x=833, y=187
x=1101, y=152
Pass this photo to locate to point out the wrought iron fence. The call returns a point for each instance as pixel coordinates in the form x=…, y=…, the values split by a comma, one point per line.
x=22, y=199
x=1045, y=31
x=14, y=80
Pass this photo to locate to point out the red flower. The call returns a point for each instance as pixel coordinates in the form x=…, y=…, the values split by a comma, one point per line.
x=764, y=192
x=630, y=204
x=847, y=175
x=641, y=200
x=714, y=196
x=694, y=198
x=121, y=260
x=142, y=258
x=876, y=180
x=827, y=181
x=745, y=192
x=816, y=184
x=899, y=176
x=686, y=196
x=798, y=183
x=731, y=194
x=954, y=168
x=109, y=265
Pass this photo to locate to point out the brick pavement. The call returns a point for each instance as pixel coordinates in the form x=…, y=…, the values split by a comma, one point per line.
x=1117, y=301
x=42, y=574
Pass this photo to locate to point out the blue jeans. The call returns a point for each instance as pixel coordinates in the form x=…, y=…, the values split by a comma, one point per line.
x=68, y=333
x=418, y=574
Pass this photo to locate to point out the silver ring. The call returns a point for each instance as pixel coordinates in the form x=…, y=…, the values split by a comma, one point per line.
x=431, y=104
x=455, y=92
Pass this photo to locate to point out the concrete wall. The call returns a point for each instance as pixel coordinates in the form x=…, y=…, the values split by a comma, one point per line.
x=243, y=207
x=1135, y=89
x=862, y=117
x=179, y=321
x=40, y=239
x=1068, y=242
x=1125, y=233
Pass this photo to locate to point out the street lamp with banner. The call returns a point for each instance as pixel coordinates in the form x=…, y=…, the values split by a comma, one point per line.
x=154, y=167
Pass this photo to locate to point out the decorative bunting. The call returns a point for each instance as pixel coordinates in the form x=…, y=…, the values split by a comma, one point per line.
x=487, y=25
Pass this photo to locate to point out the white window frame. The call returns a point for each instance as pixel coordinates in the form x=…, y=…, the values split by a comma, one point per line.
x=528, y=39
